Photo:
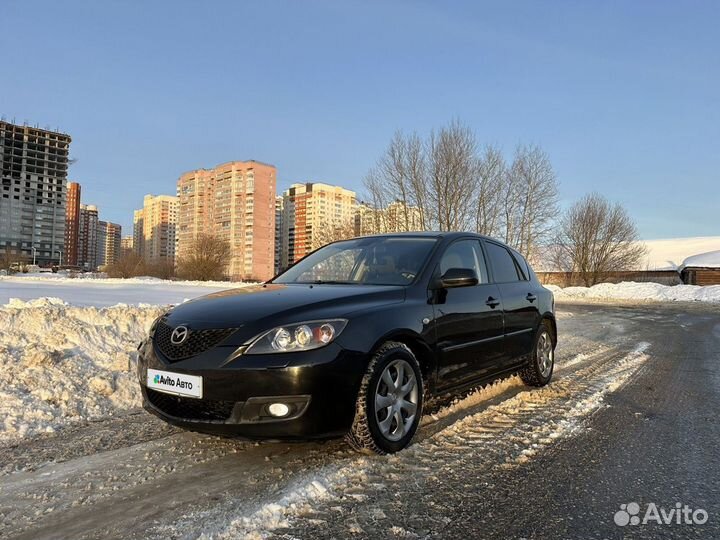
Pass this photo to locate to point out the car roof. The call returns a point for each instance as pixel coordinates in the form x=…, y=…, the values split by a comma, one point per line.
x=441, y=234
x=428, y=234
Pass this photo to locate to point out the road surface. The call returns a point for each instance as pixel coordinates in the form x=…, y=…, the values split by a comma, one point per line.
x=630, y=417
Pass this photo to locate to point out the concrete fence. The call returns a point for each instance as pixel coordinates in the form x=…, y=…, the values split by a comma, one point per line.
x=573, y=279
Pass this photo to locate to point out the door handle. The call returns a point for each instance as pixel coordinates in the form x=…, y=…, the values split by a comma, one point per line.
x=531, y=297
x=492, y=302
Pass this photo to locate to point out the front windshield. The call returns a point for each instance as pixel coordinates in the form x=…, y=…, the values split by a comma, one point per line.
x=363, y=261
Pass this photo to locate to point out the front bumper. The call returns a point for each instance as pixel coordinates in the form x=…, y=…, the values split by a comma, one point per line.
x=323, y=385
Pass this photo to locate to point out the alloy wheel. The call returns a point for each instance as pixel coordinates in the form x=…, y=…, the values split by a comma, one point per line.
x=545, y=355
x=396, y=400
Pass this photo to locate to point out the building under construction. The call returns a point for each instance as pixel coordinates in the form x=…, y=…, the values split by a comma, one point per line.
x=33, y=183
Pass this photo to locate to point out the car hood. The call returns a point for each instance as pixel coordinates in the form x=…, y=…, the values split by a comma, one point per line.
x=259, y=308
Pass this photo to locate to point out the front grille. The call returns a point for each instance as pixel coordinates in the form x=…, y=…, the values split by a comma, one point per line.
x=191, y=409
x=197, y=341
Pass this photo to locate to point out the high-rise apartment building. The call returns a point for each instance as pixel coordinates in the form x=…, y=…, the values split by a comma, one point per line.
x=108, y=243
x=87, y=237
x=72, y=223
x=33, y=178
x=278, y=234
x=309, y=209
x=126, y=243
x=234, y=201
x=396, y=217
x=154, y=228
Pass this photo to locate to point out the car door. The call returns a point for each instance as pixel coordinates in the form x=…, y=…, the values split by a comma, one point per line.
x=468, y=320
x=520, y=304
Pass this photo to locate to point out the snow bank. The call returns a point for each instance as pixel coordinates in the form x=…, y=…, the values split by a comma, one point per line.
x=61, y=364
x=629, y=290
x=45, y=301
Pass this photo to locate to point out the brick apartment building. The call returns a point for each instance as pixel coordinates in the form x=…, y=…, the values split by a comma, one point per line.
x=308, y=208
x=154, y=228
x=234, y=201
x=72, y=223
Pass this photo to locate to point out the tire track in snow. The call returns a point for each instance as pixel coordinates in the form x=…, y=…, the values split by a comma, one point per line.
x=505, y=434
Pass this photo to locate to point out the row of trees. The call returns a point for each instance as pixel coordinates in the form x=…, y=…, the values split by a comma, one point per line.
x=12, y=263
x=206, y=259
x=457, y=184
x=454, y=183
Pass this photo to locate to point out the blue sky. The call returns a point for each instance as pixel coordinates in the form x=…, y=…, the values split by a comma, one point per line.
x=624, y=96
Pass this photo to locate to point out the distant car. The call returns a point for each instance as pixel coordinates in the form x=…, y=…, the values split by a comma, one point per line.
x=351, y=340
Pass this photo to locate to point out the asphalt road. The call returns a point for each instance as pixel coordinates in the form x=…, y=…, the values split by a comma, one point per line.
x=657, y=441
x=631, y=417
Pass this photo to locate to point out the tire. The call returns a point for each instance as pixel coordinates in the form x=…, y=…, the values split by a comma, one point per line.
x=376, y=427
x=537, y=372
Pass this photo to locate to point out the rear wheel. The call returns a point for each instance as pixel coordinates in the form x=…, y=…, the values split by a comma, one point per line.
x=389, y=403
x=539, y=368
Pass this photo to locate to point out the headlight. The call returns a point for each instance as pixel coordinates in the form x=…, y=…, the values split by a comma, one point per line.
x=302, y=336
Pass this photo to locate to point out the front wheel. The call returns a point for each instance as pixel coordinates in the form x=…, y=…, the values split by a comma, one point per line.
x=389, y=403
x=539, y=368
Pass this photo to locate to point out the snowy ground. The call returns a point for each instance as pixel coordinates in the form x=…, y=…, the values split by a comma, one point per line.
x=135, y=477
x=78, y=458
x=106, y=292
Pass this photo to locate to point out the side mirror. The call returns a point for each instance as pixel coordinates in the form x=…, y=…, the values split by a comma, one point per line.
x=458, y=277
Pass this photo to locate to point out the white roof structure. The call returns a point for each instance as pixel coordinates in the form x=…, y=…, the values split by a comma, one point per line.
x=672, y=253
x=711, y=259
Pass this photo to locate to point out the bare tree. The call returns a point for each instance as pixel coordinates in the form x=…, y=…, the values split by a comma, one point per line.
x=129, y=264
x=13, y=262
x=448, y=183
x=434, y=179
x=163, y=269
x=530, y=200
x=452, y=165
x=491, y=185
x=207, y=259
x=327, y=233
x=596, y=237
x=400, y=175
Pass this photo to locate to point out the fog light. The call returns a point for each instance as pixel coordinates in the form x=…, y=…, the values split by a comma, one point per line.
x=278, y=409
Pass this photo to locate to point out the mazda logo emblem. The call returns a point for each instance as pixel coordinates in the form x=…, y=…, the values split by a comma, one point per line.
x=179, y=335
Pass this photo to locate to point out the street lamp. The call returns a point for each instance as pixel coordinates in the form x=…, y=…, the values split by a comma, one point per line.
x=60, y=252
x=34, y=253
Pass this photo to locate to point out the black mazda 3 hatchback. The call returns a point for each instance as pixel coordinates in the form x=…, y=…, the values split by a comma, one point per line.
x=351, y=341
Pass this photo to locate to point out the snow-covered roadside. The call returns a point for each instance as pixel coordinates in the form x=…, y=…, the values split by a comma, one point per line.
x=630, y=290
x=61, y=364
x=95, y=278
x=107, y=292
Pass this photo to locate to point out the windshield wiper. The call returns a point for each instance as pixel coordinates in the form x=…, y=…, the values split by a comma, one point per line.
x=330, y=282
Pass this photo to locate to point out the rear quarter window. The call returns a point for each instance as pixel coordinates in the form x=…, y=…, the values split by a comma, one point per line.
x=523, y=266
x=503, y=264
